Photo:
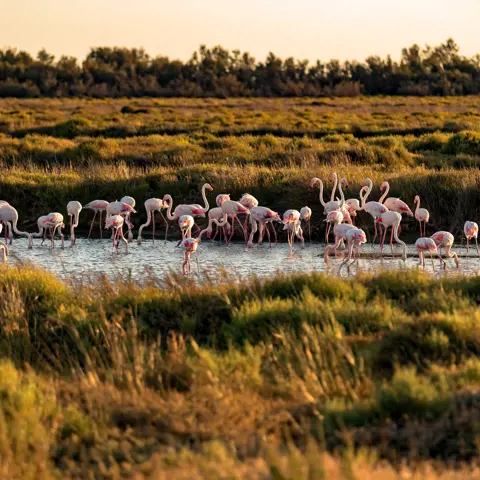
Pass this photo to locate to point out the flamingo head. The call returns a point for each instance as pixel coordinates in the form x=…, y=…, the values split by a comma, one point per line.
x=199, y=212
x=273, y=215
x=126, y=208
x=344, y=182
x=242, y=209
x=416, y=199
x=209, y=187
x=359, y=237
x=314, y=181
x=383, y=186
x=352, y=211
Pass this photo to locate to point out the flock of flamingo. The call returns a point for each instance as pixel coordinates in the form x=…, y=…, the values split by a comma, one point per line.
x=340, y=212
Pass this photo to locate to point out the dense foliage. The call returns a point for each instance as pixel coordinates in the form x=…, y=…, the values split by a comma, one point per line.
x=238, y=380
x=217, y=72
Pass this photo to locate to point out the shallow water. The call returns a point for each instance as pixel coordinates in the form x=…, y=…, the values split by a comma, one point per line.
x=91, y=258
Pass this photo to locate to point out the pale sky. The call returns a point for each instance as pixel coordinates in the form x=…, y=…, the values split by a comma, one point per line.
x=312, y=29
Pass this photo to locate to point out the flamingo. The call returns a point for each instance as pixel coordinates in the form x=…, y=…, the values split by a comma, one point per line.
x=391, y=219
x=375, y=209
x=97, y=206
x=471, y=231
x=153, y=205
x=9, y=216
x=73, y=209
x=445, y=239
x=221, y=197
x=422, y=215
x=306, y=215
x=186, y=222
x=115, y=222
x=291, y=222
x=3, y=246
x=123, y=209
x=335, y=217
x=260, y=215
x=248, y=201
x=53, y=221
x=195, y=210
x=217, y=213
x=333, y=204
x=190, y=245
x=129, y=201
x=232, y=209
x=340, y=231
x=355, y=238
x=392, y=203
x=426, y=244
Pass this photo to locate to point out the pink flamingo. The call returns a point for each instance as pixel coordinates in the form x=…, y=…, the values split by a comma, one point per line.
x=422, y=215
x=425, y=244
x=123, y=209
x=115, y=222
x=291, y=222
x=248, y=201
x=97, y=206
x=195, y=210
x=232, y=209
x=3, y=248
x=9, y=216
x=190, y=245
x=445, y=240
x=306, y=215
x=340, y=230
x=53, y=221
x=129, y=201
x=392, y=203
x=471, y=231
x=391, y=219
x=153, y=205
x=73, y=209
x=334, y=217
x=355, y=238
x=221, y=197
x=333, y=204
x=186, y=223
x=375, y=209
x=260, y=215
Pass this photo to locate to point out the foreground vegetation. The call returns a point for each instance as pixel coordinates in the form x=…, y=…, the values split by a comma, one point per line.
x=299, y=377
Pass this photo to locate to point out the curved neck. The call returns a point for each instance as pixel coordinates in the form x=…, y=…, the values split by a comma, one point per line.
x=170, y=205
x=395, y=236
x=367, y=193
x=320, y=195
x=387, y=189
x=418, y=205
x=335, y=183
x=342, y=196
x=204, y=196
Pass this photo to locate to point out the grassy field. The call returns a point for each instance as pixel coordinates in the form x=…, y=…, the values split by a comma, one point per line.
x=53, y=151
x=298, y=377
x=293, y=378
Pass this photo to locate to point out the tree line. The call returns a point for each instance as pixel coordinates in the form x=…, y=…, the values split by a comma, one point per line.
x=218, y=72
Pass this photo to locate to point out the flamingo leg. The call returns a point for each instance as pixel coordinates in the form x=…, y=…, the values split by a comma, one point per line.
x=468, y=245
x=101, y=233
x=375, y=232
x=309, y=232
x=52, y=233
x=391, y=240
x=268, y=235
x=420, y=223
x=431, y=258
x=166, y=225
x=476, y=244
x=243, y=229
x=420, y=256
x=91, y=225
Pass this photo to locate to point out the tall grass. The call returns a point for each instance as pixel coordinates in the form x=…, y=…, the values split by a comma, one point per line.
x=118, y=379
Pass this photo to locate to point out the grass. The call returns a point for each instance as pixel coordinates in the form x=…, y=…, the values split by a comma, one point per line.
x=119, y=379
x=296, y=376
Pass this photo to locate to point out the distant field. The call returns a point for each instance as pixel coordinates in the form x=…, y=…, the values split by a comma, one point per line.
x=269, y=147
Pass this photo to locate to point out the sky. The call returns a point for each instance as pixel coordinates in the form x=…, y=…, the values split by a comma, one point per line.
x=304, y=29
